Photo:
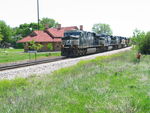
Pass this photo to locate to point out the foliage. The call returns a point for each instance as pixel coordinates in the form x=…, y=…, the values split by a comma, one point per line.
x=50, y=46
x=34, y=46
x=1, y=37
x=5, y=33
x=48, y=21
x=25, y=29
x=142, y=41
x=144, y=46
x=38, y=47
x=137, y=37
x=102, y=29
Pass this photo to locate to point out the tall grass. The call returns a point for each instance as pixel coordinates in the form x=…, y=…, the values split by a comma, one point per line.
x=109, y=84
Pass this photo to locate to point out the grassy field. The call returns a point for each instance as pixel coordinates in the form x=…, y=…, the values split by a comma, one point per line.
x=13, y=55
x=112, y=84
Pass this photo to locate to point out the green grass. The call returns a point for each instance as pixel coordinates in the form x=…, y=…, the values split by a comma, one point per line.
x=110, y=84
x=13, y=55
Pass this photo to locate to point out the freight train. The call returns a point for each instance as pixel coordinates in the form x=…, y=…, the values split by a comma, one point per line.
x=79, y=43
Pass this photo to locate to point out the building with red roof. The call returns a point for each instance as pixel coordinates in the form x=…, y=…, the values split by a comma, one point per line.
x=49, y=35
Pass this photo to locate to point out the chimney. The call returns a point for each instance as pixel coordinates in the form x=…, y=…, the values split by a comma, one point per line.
x=59, y=26
x=81, y=27
x=46, y=26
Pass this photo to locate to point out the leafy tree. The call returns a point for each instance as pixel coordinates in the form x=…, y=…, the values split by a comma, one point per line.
x=137, y=37
x=34, y=26
x=38, y=47
x=34, y=46
x=5, y=33
x=144, y=45
x=50, y=47
x=1, y=37
x=25, y=29
x=102, y=29
x=48, y=21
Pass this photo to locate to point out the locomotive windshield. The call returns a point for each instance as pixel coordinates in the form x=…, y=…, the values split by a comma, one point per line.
x=70, y=34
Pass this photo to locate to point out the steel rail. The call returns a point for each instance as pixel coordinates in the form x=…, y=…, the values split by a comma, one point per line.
x=13, y=66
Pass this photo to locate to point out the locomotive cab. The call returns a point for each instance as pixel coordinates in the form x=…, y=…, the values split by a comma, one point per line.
x=70, y=42
x=71, y=38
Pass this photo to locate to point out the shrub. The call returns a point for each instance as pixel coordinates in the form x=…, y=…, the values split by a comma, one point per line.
x=144, y=46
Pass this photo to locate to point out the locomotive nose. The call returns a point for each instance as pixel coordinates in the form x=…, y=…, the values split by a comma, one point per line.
x=68, y=42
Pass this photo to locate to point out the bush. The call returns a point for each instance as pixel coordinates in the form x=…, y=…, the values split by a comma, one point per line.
x=19, y=46
x=144, y=46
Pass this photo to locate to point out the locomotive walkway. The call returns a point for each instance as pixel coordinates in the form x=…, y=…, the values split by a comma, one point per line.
x=47, y=68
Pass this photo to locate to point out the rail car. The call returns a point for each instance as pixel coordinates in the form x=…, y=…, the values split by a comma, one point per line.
x=79, y=43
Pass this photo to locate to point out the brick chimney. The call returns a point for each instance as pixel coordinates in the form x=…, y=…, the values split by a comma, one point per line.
x=59, y=26
x=46, y=26
x=81, y=27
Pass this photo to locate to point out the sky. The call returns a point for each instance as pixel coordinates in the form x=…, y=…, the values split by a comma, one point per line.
x=123, y=16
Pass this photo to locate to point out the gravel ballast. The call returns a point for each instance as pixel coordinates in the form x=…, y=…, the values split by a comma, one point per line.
x=48, y=68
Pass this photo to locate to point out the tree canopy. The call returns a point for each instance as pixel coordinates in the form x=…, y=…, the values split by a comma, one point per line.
x=144, y=46
x=48, y=21
x=1, y=37
x=101, y=28
x=137, y=37
x=5, y=33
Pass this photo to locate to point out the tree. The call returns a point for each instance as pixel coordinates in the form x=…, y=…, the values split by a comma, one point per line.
x=25, y=29
x=34, y=26
x=5, y=34
x=1, y=37
x=144, y=45
x=137, y=37
x=50, y=47
x=48, y=21
x=102, y=29
x=35, y=47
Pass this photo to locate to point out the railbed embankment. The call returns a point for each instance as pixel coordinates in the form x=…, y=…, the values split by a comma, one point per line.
x=50, y=67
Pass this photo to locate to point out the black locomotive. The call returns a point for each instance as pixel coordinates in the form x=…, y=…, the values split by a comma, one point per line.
x=79, y=43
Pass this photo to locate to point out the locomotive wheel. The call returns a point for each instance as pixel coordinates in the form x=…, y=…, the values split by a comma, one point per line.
x=80, y=52
x=98, y=50
x=72, y=54
x=85, y=51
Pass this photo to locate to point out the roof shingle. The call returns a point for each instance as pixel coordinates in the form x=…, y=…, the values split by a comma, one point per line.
x=50, y=35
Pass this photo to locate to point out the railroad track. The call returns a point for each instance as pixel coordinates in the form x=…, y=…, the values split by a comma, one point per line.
x=13, y=66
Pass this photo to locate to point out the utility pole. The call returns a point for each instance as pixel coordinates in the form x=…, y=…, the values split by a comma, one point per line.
x=38, y=14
